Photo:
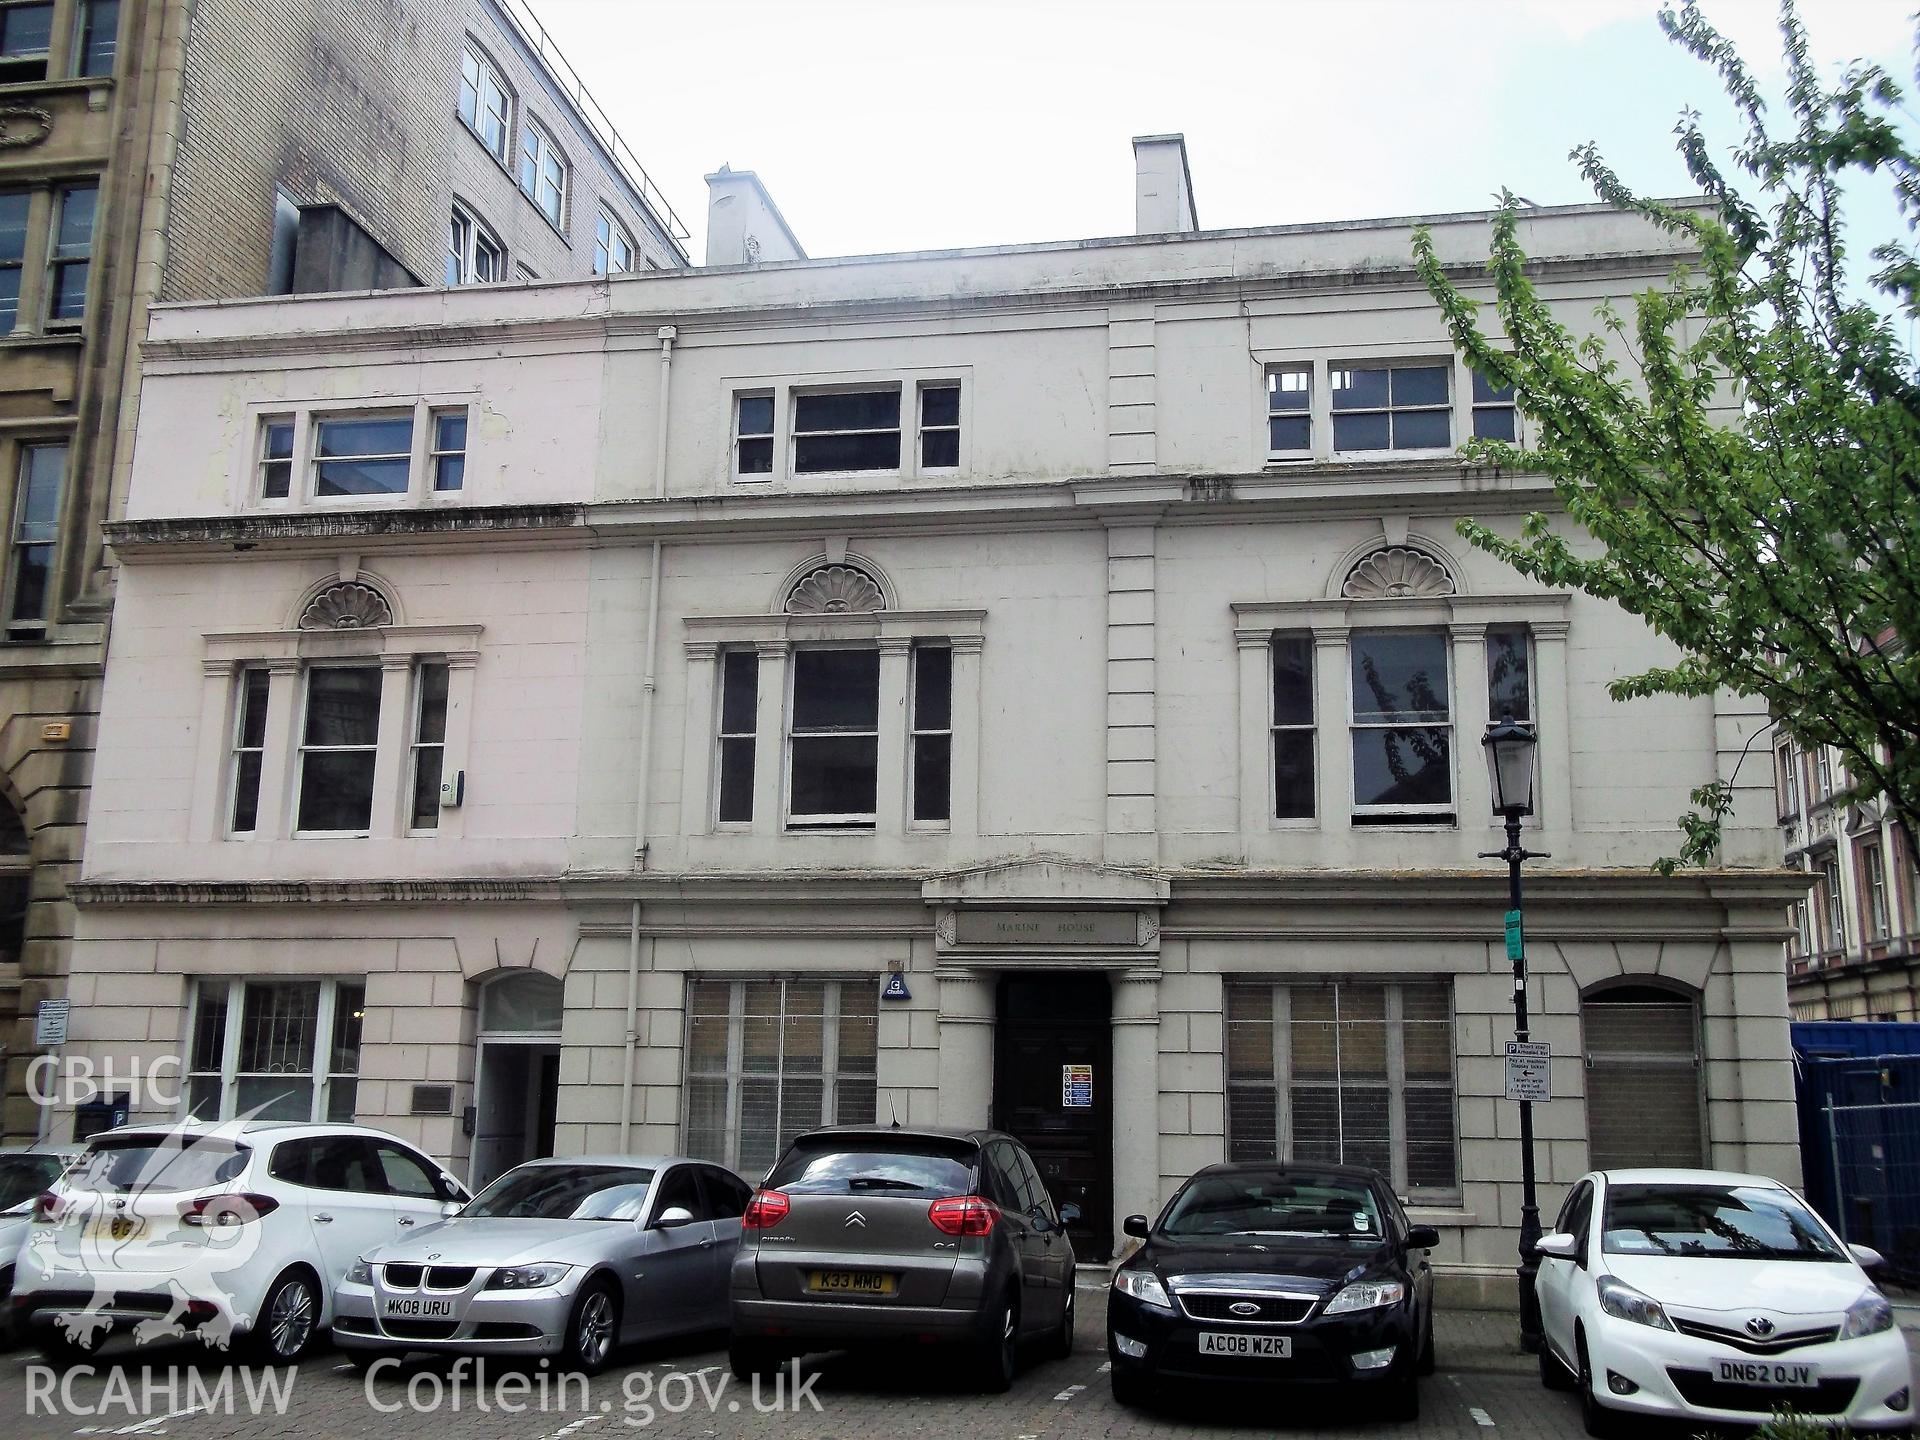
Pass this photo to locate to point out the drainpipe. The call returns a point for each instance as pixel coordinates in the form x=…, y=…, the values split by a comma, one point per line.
x=642, y=786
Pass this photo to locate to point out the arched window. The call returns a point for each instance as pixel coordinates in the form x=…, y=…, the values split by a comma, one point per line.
x=1645, y=1101
x=525, y=1002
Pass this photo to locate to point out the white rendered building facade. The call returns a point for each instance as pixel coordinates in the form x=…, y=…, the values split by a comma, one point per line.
x=1071, y=641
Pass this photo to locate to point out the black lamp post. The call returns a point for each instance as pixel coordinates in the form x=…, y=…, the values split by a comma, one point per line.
x=1510, y=745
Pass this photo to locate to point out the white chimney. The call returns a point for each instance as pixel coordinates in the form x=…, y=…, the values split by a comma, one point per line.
x=744, y=226
x=1162, y=186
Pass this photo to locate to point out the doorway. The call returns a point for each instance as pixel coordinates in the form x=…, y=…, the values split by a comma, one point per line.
x=516, y=1074
x=1053, y=1087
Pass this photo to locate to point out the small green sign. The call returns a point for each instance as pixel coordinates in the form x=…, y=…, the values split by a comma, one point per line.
x=1514, y=951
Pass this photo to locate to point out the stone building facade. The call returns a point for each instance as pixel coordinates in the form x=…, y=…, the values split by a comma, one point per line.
x=1039, y=685
x=164, y=150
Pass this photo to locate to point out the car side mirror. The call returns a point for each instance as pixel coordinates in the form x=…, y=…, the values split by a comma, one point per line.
x=1069, y=1213
x=1136, y=1225
x=1869, y=1258
x=1422, y=1237
x=672, y=1218
x=1557, y=1247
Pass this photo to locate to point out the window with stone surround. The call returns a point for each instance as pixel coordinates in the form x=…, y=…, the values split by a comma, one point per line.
x=887, y=425
x=1402, y=727
x=39, y=484
x=1292, y=726
x=1871, y=870
x=1348, y=1071
x=833, y=737
x=310, y=710
x=767, y=1059
x=274, y=1049
x=413, y=452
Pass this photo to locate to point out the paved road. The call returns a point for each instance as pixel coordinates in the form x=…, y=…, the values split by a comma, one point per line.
x=1486, y=1390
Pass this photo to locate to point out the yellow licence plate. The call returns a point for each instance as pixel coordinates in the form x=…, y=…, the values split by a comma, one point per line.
x=849, y=1282
x=117, y=1228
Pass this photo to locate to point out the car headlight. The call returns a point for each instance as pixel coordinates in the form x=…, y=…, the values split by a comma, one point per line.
x=527, y=1277
x=1366, y=1295
x=1144, y=1286
x=1623, y=1302
x=360, y=1273
x=1868, y=1315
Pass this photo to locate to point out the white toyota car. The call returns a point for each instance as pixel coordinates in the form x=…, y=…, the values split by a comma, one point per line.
x=1702, y=1296
x=237, y=1233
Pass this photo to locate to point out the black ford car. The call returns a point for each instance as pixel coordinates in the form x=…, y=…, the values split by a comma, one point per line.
x=1277, y=1274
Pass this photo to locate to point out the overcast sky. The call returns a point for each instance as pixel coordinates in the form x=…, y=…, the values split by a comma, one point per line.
x=927, y=124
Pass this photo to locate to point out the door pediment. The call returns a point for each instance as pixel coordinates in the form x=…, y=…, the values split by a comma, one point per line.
x=1025, y=911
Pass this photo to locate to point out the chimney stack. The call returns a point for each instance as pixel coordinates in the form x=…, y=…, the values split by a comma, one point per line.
x=744, y=226
x=1162, y=186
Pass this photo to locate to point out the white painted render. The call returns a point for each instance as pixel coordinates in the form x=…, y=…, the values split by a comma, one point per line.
x=1108, y=559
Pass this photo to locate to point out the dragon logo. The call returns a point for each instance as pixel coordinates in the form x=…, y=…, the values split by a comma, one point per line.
x=154, y=1227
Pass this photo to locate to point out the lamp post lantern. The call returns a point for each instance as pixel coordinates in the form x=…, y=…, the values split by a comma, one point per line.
x=1510, y=746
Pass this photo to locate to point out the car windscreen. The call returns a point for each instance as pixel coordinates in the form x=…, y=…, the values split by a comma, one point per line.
x=126, y=1163
x=24, y=1176
x=1717, y=1222
x=563, y=1192
x=1317, y=1207
x=862, y=1167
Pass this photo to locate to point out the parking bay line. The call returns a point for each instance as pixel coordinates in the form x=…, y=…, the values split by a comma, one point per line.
x=1480, y=1417
x=575, y=1425
x=1069, y=1392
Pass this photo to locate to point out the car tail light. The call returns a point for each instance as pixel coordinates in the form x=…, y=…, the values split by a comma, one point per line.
x=766, y=1210
x=963, y=1215
x=46, y=1208
x=214, y=1211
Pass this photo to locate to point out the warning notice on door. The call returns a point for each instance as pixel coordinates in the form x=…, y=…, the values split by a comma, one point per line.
x=1076, y=1087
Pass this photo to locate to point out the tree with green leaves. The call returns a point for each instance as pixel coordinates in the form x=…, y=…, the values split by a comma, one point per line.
x=1781, y=553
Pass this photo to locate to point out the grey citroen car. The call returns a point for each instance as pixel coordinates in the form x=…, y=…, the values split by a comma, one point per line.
x=869, y=1235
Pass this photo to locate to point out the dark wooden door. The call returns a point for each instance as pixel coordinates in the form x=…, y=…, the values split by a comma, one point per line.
x=1053, y=1038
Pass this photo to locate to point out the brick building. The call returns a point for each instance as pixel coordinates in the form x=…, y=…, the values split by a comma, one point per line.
x=155, y=150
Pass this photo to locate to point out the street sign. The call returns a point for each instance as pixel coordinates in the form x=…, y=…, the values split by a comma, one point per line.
x=896, y=988
x=1076, y=1087
x=1513, y=935
x=50, y=1023
x=1528, y=1076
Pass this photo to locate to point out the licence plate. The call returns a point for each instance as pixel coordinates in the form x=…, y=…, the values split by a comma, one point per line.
x=849, y=1282
x=1275, y=1347
x=1784, y=1374
x=421, y=1309
x=117, y=1228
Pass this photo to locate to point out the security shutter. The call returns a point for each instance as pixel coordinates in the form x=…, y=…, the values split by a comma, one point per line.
x=1643, y=1079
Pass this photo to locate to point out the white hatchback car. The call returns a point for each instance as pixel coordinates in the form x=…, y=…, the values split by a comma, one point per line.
x=234, y=1232
x=1703, y=1296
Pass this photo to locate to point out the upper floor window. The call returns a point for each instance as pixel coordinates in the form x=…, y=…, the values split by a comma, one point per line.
x=70, y=256
x=1292, y=727
x=1872, y=870
x=339, y=740
x=1290, y=409
x=833, y=737
x=249, y=750
x=1494, y=415
x=1833, y=907
x=14, y=205
x=428, y=752
x=543, y=174
x=931, y=753
x=894, y=427
x=613, y=247
x=842, y=430
x=26, y=41
x=362, y=454
x=486, y=105
x=1786, y=780
x=739, y=721
x=1391, y=407
x=1402, y=726
x=1509, y=683
x=474, y=257
x=36, y=534
x=96, y=37
x=1822, y=772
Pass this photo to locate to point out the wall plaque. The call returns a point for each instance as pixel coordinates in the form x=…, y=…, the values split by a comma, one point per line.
x=1047, y=927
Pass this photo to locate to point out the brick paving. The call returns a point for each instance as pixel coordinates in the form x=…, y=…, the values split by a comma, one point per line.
x=1486, y=1389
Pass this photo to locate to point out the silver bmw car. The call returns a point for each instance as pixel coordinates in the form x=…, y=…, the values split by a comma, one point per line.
x=567, y=1258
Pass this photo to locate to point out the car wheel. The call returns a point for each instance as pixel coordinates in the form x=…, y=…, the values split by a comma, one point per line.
x=1429, y=1359
x=748, y=1358
x=1000, y=1347
x=1601, y=1422
x=288, y=1318
x=1062, y=1342
x=593, y=1329
x=1133, y=1391
x=57, y=1350
x=1553, y=1374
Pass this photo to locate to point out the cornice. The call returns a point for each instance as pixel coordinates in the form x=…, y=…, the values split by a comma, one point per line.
x=282, y=530
x=198, y=893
